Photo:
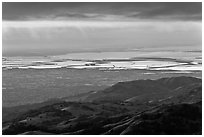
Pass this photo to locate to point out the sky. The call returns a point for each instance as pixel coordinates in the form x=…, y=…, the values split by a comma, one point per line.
x=36, y=28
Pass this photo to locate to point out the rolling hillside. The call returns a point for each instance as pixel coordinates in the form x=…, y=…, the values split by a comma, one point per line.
x=164, y=106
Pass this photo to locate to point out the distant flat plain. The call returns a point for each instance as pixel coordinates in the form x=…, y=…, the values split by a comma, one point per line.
x=37, y=79
x=31, y=85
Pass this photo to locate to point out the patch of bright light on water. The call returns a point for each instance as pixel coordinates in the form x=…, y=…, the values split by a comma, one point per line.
x=166, y=60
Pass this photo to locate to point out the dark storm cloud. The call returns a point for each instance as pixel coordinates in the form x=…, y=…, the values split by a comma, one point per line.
x=137, y=10
x=179, y=11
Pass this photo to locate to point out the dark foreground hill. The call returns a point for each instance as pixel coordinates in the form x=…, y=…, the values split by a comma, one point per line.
x=163, y=106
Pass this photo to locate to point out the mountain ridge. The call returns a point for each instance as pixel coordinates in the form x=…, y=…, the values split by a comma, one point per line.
x=133, y=107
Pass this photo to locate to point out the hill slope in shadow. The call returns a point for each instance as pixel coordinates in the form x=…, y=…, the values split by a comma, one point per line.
x=163, y=106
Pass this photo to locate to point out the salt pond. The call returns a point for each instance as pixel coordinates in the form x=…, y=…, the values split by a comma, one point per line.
x=148, y=60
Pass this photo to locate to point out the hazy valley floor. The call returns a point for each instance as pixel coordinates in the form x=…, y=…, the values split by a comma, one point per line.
x=27, y=86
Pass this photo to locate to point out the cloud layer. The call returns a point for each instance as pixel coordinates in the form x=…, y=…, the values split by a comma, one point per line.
x=66, y=27
x=136, y=10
